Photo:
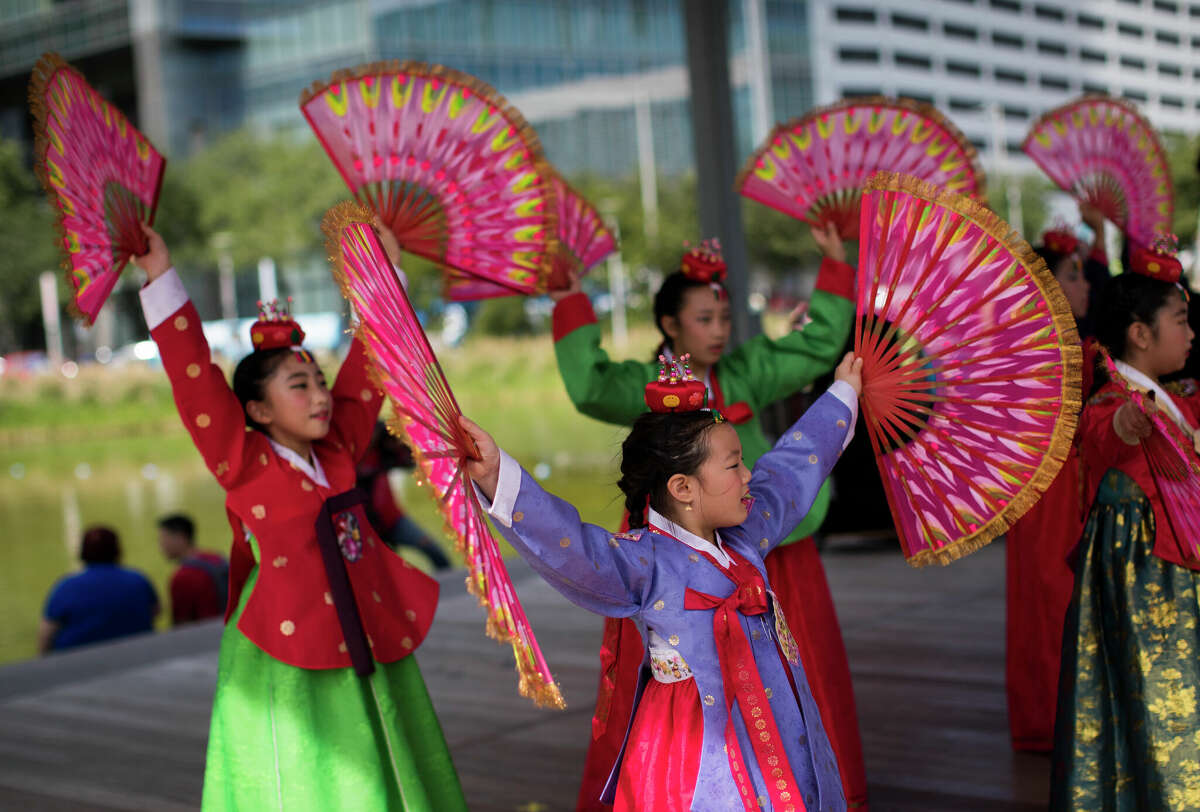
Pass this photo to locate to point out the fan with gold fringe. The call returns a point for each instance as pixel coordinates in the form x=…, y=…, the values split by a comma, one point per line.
x=971, y=368
x=425, y=416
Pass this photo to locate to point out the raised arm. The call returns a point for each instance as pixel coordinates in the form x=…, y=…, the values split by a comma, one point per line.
x=210, y=411
x=590, y=566
x=599, y=387
x=786, y=479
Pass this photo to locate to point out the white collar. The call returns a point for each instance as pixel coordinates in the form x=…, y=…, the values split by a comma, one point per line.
x=1161, y=398
x=312, y=469
x=689, y=538
x=670, y=356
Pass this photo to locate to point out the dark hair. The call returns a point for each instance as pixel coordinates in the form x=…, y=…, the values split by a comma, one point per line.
x=660, y=445
x=252, y=373
x=180, y=525
x=1052, y=258
x=100, y=546
x=669, y=299
x=1126, y=299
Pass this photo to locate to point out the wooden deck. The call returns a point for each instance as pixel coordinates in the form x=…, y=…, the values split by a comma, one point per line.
x=123, y=726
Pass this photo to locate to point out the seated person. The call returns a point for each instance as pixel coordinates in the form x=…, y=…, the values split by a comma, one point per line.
x=104, y=602
x=200, y=587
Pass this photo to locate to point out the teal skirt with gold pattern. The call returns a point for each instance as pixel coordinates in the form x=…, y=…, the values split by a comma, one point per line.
x=1127, y=734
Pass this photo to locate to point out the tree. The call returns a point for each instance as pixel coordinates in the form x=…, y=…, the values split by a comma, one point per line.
x=29, y=246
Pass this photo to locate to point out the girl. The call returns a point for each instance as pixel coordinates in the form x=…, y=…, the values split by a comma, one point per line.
x=1125, y=737
x=1039, y=578
x=318, y=703
x=728, y=721
x=691, y=310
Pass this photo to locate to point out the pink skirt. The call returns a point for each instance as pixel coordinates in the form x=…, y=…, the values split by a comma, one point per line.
x=662, y=758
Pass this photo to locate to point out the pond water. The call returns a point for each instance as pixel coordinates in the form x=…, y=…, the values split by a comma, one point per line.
x=48, y=495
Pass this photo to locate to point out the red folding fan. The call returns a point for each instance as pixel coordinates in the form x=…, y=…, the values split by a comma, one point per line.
x=1103, y=152
x=583, y=241
x=102, y=176
x=814, y=167
x=425, y=416
x=971, y=367
x=446, y=163
x=1173, y=463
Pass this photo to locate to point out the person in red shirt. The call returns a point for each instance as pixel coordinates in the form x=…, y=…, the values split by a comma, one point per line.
x=200, y=587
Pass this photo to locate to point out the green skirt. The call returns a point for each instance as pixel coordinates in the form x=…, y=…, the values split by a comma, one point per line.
x=288, y=738
x=1127, y=735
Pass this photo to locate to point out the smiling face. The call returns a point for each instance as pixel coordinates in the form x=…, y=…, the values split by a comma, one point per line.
x=701, y=327
x=296, y=405
x=722, y=498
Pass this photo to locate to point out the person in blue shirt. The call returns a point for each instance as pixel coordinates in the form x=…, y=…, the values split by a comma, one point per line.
x=104, y=602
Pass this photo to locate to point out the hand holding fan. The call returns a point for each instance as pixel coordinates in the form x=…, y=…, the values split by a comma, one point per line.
x=1104, y=153
x=1174, y=463
x=814, y=167
x=101, y=175
x=426, y=417
x=447, y=164
x=971, y=366
x=583, y=240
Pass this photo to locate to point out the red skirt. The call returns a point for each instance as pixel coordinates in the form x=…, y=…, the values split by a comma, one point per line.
x=662, y=758
x=798, y=578
x=1040, y=583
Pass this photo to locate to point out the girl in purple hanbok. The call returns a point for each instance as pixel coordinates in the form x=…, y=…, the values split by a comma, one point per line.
x=723, y=717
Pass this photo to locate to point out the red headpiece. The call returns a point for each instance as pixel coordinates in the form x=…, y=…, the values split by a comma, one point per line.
x=275, y=328
x=1158, y=261
x=704, y=263
x=675, y=390
x=1060, y=241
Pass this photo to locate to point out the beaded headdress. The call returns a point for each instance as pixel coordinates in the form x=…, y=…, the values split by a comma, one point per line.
x=1158, y=261
x=676, y=389
x=275, y=328
x=704, y=263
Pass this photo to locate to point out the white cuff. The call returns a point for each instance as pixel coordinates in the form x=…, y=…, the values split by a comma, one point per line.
x=849, y=398
x=162, y=297
x=508, y=485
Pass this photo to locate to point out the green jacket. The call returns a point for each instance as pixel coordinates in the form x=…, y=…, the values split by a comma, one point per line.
x=757, y=373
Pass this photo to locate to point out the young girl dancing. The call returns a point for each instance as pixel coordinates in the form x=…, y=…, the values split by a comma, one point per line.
x=728, y=720
x=691, y=311
x=319, y=704
x=1126, y=731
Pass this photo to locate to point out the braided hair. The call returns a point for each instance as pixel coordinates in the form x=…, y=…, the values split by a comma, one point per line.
x=660, y=445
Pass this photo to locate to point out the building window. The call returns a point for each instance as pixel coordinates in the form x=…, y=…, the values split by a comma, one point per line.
x=1196, y=42
x=1052, y=48
x=960, y=31
x=1088, y=55
x=858, y=54
x=855, y=15
x=1168, y=37
x=1135, y=95
x=1013, y=77
x=1014, y=148
x=1088, y=21
x=910, y=23
x=959, y=105
x=1171, y=101
x=924, y=98
x=1196, y=73
x=1007, y=40
x=1006, y=5
x=1049, y=13
x=1092, y=87
x=1017, y=113
x=963, y=68
x=1167, y=6
x=860, y=92
x=1054, y=83
x=1130, y=30
x=1167, y=69
x=914, y=61
x=1131, y=2
x=1194, y=10
x=1133, y=62
x=979, y=144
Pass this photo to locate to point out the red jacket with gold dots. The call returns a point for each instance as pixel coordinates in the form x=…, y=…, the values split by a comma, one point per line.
x=290, y=613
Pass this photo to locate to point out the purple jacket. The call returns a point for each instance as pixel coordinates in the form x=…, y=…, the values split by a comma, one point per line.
x=644, y=575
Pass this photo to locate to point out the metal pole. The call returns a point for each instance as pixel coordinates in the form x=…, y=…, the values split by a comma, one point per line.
x=647, y=171
x=707, y=28
x=758, y=59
